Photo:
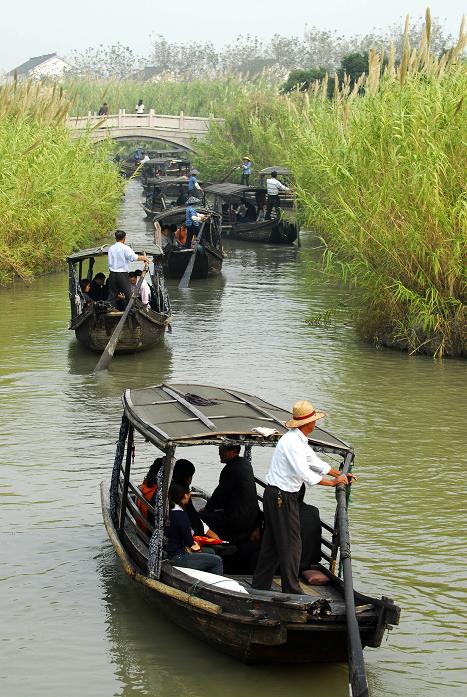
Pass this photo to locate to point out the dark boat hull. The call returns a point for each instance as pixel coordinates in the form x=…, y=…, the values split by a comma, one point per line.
x=208, y=262
x=261, y=627
x=139, y=333
x=266, y=232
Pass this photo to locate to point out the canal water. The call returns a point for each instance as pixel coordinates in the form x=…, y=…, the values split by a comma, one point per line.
x=73, y=624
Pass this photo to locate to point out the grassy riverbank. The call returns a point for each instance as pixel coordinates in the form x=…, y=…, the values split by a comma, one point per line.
x=55, y=194
x=380, y=175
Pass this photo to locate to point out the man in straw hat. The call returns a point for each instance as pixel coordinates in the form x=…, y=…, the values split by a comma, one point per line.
x=246, y=170
x=293, y=463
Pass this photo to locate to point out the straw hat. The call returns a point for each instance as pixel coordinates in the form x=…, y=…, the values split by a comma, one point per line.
x=192, y=200
x=303, y=412
x=246, y=158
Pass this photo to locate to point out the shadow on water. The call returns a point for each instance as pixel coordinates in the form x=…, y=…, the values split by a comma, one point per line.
x=154, y=657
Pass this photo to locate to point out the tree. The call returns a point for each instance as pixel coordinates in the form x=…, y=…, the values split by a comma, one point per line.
x=302, y=79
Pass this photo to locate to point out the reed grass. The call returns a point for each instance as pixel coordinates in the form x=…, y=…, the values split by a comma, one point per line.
x=379, y=174
x=56, y=194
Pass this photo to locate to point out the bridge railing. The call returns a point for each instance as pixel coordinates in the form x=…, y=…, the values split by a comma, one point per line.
x=123, y=120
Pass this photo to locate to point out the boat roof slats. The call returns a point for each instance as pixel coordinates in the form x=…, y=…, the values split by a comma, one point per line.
x=191, y=408
x=149, y=248
x=181, y=211
x=279, y=169
x=229, y=189
x=168, y=411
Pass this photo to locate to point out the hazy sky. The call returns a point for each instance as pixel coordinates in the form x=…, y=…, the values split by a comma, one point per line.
x=35, y=27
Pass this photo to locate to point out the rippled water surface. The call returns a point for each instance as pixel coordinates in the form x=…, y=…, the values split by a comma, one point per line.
x=72, y=624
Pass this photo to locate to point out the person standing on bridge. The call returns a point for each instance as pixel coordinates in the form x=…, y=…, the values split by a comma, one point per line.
x=104, y=110
x=139, y=108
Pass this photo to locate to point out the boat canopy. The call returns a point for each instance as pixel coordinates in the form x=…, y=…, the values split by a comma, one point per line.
x=285, y=171
x=149, y=248
x=226, y=189
x=177, y=210
x=166, y=181
x=191, y=414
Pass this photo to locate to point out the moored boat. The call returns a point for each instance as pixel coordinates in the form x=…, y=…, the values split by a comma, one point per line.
x=163, y=193
x=225, y=611
x=209, y=254
x=243, y=214
x=94, y=322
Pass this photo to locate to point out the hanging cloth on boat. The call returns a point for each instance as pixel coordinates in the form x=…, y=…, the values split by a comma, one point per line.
x=148, y=492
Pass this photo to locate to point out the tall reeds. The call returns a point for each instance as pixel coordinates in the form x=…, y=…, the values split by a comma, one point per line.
x=55, y=194
x=381, y=176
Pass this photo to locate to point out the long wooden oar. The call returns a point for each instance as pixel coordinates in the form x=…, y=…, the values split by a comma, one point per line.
x=109, y=350
x=228, y=174
x=358, y=686
x=184, y=281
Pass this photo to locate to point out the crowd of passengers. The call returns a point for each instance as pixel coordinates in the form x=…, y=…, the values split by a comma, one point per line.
x=97, y=290
x=231, y=514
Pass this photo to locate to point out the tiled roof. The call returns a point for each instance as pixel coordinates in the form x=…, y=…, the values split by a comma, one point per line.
x=31, y=64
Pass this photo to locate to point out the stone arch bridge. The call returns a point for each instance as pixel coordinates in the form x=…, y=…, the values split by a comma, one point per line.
x=177, y=130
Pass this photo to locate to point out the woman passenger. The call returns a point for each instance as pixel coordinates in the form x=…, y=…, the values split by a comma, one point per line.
x=148, y=489
x=180, y=546
x=183, y=474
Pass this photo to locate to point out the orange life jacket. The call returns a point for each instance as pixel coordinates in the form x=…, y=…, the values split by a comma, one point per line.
x=148, y=492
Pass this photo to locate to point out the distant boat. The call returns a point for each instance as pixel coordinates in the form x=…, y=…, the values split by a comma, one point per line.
x=251, y=226
x=225, y=611
x=94, y=323
x=209, y=255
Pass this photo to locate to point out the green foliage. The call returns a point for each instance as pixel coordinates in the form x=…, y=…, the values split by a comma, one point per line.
x=55, y=194
x=302, y=79
x=379, y=173
x=354, y=64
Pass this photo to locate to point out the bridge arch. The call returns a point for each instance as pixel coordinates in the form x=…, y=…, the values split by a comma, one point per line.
x=177, y=130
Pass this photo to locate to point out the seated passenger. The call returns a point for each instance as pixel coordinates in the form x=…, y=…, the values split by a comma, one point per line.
x=180, y=235
x=148, y=489
x=183, y=474
x=144, y=291
x=85, y=286
x=182, y=196
x=179, y=544
x=233, y=511
x=166, y=237
x=99, y=289
x=310, y=530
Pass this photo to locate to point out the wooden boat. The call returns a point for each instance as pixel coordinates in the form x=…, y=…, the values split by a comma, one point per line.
x=165, y=165
x=251, y=227
x=226, y=611
x=285, y=176
x=209, y=255
x=163, y=193
x=94, y=323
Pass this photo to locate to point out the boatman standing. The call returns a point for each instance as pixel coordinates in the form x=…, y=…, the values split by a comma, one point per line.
x=273, y=186
x=246, y=170
x=192, y=220
x=120, y=255
x=293, y=463
x=194, y=189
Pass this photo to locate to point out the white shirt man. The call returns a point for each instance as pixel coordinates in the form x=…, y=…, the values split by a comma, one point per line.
x=119, y=256
x=273, y=186
x=293, y=463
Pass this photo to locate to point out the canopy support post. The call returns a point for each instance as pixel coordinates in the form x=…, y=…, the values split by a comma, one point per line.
x=161, y=506
x=113, y=492
x=126, y=479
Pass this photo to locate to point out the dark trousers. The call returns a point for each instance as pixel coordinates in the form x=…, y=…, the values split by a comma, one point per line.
x=119, y=282
x=191, y=231
x=273, y=202
x=203, y=561
x=246, y=179
x=281, y=543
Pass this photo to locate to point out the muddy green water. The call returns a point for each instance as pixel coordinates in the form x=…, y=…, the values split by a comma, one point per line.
x=72, y=624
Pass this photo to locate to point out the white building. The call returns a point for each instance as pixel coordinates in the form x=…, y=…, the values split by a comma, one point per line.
x=40, y=67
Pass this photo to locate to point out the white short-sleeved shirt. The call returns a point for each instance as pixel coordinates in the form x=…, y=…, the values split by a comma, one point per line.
x=273, y=186
x=145, y=293
x=294, y=463
x=119, y=256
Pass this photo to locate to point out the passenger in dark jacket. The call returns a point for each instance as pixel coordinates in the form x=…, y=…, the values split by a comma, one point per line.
x=99, y=289
x=233, y=511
